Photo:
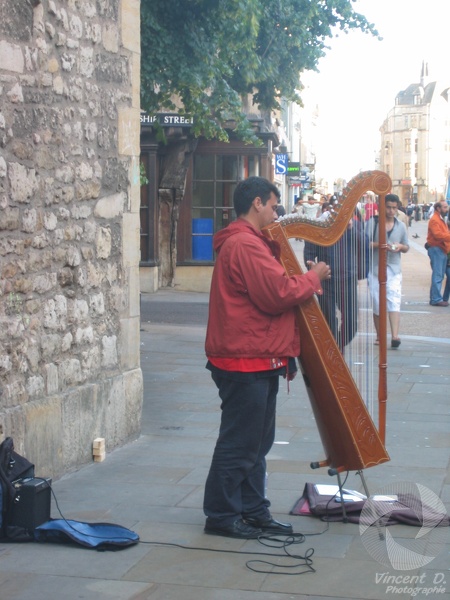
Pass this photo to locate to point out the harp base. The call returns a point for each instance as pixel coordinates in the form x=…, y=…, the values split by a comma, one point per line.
x=337, y=472
x=325, y=463
x=319, y=464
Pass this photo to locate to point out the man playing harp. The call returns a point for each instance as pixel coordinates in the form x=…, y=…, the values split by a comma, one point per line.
x=252, y=338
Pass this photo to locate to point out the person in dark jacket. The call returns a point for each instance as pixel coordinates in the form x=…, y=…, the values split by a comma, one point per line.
x=347, y=259
x=252, y=338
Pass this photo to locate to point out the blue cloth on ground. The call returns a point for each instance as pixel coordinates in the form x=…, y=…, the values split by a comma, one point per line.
x=100, y=536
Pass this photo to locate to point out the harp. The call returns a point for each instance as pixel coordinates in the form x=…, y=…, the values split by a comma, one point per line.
x=349, y=436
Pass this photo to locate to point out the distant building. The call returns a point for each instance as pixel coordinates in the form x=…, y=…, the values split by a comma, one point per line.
x=415, y=141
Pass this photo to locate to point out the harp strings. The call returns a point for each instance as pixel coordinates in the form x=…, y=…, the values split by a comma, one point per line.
x=346, y=302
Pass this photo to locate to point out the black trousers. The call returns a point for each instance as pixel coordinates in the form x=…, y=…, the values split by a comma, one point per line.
x=235, y=486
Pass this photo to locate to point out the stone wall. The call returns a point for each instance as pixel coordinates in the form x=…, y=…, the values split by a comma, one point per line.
x=69, y=227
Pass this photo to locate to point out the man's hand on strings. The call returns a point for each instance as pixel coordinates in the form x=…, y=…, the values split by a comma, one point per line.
x=322, y=269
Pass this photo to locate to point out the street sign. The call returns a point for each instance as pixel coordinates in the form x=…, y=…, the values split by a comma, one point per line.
x=281, y=164
x=294, y=168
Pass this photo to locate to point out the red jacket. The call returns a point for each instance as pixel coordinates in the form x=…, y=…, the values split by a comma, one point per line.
x=251, y=307
x=438, y=233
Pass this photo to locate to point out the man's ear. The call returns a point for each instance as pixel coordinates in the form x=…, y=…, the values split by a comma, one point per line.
x=257, y=203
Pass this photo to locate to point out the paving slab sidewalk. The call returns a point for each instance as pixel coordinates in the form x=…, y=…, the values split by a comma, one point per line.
x=154, y=485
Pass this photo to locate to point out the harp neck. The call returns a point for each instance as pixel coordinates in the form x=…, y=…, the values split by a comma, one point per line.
x=329, y=232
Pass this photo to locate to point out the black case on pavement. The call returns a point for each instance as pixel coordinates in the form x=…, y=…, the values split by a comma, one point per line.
x=31, y=504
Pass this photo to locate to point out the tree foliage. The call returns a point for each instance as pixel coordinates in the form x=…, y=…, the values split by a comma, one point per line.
x=210, y=53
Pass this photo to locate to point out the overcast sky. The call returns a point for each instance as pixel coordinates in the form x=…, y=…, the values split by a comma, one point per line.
x=361, y=76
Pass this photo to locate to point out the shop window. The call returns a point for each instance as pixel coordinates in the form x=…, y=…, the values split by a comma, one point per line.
x=214, y=181
x=144, y=216
x=149, y=209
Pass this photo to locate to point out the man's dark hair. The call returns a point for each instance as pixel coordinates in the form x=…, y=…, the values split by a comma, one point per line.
x=392, y=198
x=249, y=189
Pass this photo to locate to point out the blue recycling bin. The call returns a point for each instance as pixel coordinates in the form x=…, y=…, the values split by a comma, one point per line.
x=202, y=239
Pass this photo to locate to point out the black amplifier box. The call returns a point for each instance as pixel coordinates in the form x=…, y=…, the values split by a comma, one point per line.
x=31, y=505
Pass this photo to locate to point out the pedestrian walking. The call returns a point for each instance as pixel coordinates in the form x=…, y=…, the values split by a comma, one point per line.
x=397, y=237
x=438, y=247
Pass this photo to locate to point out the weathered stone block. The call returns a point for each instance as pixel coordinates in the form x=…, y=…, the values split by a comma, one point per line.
x=87, y=190
x=130, y=243
x=5, y=364
x=10, y=219
x=51, y=345
x=55, y=313
x=15, y=94
x=29, y=220
x=134, y=388
x=129, y=349
x=14, y=394
x=23, y=182
x=11, y=57
x=110, y=37
x=133, y=289
x=97, y=304
x=91, y=361
x=66, y=342
x=69, y=372
x=65, y=277
x=73, y=256
x=44, y=435
x=86, y=64
x=35, y=386
x=103, y=242
x=80, y=428
x=51, y=379
x=129, y=126
x=109, y=351
x=130, y=12
x=10, y=246
x=110, y=206
x=44, y=283
x=84, y=335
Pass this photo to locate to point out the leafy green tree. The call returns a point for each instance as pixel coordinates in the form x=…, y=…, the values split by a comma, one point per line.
x=210, y=53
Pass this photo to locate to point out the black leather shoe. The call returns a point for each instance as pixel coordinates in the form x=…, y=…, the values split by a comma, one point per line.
x=270, y=525
x=239, y=529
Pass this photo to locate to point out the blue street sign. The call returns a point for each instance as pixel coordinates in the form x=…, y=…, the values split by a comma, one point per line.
x=281, y=164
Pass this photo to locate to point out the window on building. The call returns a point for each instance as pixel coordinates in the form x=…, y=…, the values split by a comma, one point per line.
x=214, y=181
x=416, y=145
x=407, y=170
x=408, y=145
x=416, y=170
